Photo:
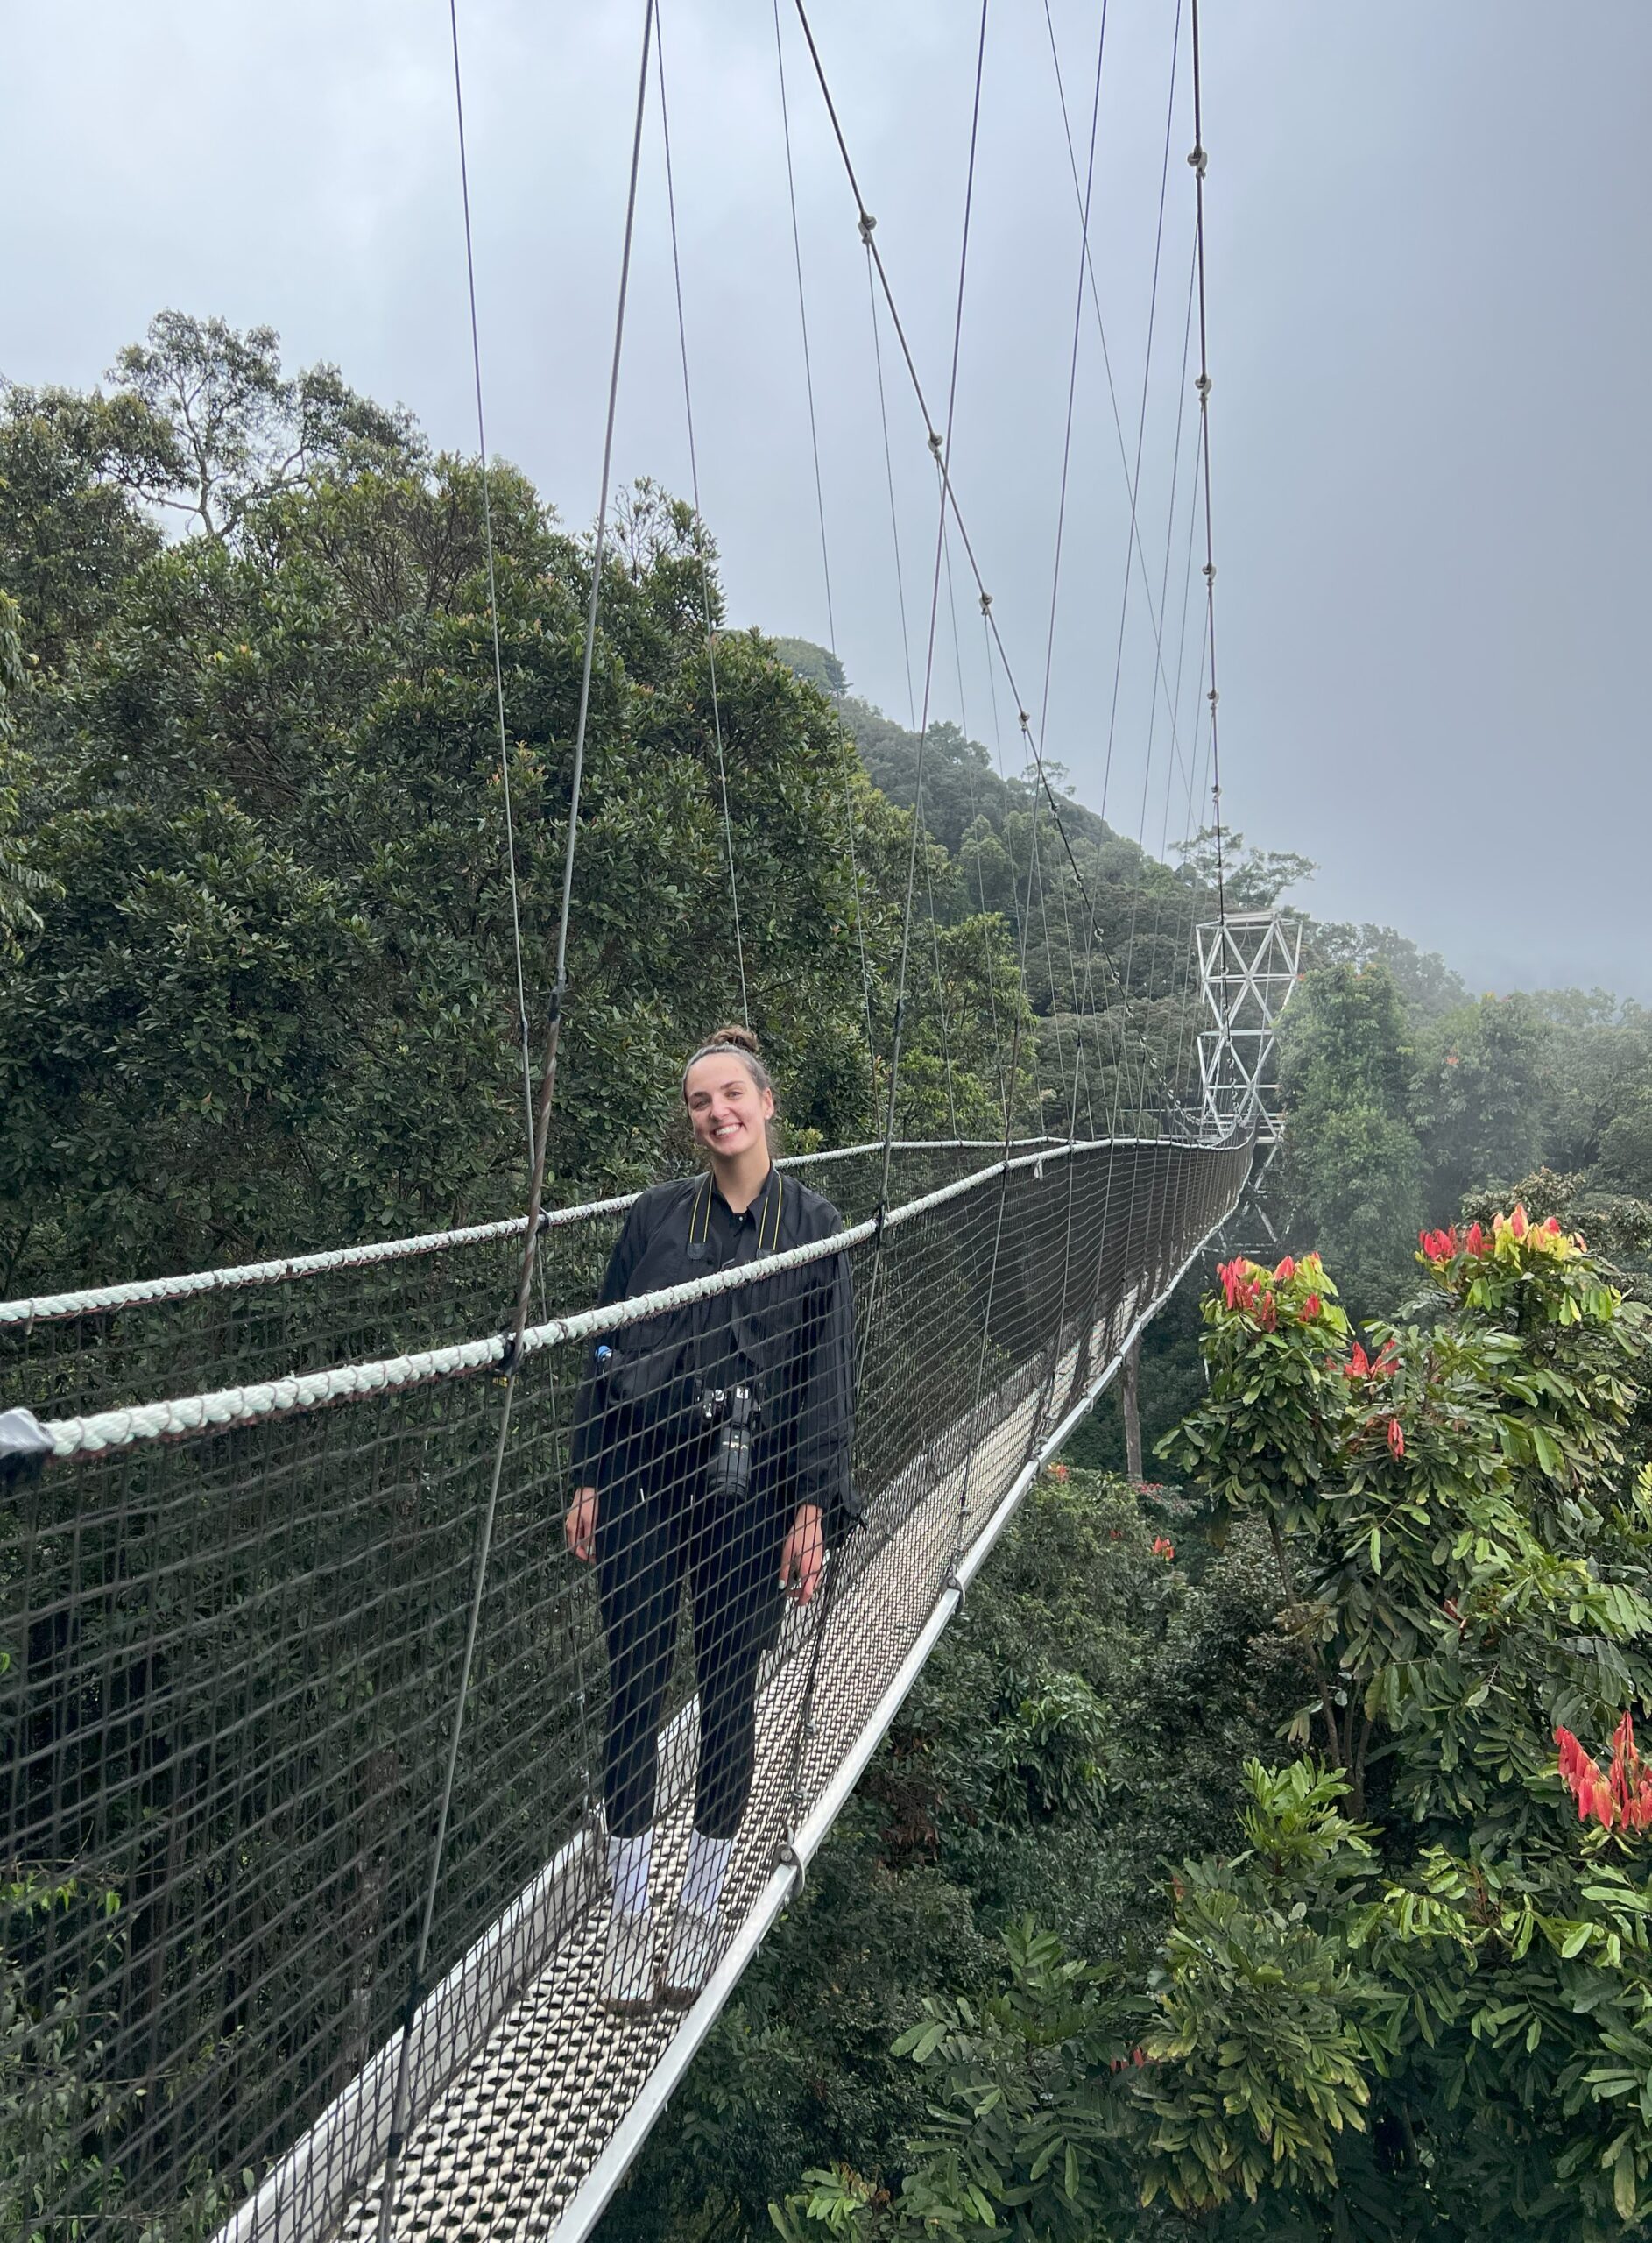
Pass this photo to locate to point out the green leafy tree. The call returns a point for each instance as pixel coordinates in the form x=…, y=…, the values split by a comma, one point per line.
x=1252, y=879
x=1412, y=2003
x=271, y=1001
x=1468, y=1564
x=1427, y=985
x=23, y=886
x=238, y=431
x=1352, y=1173
x=71, y=531
x=1485, y=1101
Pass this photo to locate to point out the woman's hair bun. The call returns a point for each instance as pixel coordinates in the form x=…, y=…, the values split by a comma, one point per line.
x=743, y=1039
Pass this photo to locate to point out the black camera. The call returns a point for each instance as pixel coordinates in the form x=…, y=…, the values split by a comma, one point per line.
x=734, y=1415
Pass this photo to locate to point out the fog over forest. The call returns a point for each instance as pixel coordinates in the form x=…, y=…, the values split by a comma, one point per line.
x=1426, y=492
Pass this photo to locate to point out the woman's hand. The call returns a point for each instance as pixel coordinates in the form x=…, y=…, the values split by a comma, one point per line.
x=580, y=1526
x=804, y=1560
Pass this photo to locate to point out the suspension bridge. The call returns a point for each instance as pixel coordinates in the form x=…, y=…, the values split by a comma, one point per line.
x=302, y=1700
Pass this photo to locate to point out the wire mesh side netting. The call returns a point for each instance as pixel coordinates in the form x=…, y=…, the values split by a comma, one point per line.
x=231, y=1665
x=64, y=1355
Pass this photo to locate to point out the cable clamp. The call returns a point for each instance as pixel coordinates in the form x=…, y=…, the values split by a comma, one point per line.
x=986, y=602
x=509, y=1345
x=1199, y=158
x=1209, y=572
x=788, y=1857
x=867, y=223
x=1203, y=385
x=935, y=443
x=553, y=1010
x=1024, y=720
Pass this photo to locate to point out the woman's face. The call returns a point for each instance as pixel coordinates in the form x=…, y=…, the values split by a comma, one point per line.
x=727, y=1109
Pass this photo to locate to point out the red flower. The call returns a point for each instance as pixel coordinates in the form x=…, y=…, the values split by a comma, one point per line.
x=1163, y=1549
x=1267, y=1313
x=1476, y=1240
x=1517, y=1222
x=1397, y=1437
x=1553, y=1226
x=1312, y=1307
x=1286, y=1268
x=1058, y=1471
x=1620, y=1799
x=1359, y=1363
x=1582, y=1776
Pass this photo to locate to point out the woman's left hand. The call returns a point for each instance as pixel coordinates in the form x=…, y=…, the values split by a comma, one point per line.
x=804, y=1560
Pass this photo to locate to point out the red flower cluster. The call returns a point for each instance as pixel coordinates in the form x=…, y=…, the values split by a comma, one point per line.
x=1163, y=1549
x=1245, y=1286
x=1382, y=1365
x=1136, y=2057
x=1397, y=1437
x=1058, y=1471
x=1620, y=1799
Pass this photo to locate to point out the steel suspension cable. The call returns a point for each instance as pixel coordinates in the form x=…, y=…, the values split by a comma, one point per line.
x=942, y=448
x=1106, y=361
x=906, y=656
x=700, y=527
x=825, y=552
x=933, y=436
x=867, y=223
x=1055, y=583
x=1132, y=475
x=968, y=771
x=1171, y=759
x=1198, y=160
x=493, y=588
x=536, y=1186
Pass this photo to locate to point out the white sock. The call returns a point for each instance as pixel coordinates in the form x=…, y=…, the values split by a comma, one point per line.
x=628, y=1872
x=702, y=1879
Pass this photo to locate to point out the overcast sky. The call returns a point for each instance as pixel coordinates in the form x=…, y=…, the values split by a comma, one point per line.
x=1429, y=334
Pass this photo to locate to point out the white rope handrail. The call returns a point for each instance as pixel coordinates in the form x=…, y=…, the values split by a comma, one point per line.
x=143, y=1292
x=238, y=1406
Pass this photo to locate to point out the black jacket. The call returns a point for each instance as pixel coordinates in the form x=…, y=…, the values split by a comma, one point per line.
x=789, y=1337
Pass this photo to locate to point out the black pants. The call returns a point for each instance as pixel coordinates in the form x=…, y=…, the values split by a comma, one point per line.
x=654, y=1528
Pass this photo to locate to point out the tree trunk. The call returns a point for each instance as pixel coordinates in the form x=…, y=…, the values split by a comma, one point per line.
x=1127, y=1383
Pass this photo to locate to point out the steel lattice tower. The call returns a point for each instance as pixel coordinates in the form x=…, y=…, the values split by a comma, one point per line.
x=1249, y=966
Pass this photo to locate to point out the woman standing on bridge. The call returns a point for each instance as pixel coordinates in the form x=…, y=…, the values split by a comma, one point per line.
x=711, y=1445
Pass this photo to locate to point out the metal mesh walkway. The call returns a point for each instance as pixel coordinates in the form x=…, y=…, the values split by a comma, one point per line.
x=235, y=1637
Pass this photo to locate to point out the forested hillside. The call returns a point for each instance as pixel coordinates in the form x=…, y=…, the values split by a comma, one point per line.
x=258, y=990
x=1223, y=1874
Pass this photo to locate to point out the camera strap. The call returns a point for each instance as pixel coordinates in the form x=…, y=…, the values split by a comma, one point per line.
x=753, y=1242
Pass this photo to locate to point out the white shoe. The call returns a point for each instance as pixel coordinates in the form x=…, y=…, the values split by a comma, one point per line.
x=697, y=1941
x=628, y=1963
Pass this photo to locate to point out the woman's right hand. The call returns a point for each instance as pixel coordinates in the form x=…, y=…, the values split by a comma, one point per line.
x=580, y=1526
